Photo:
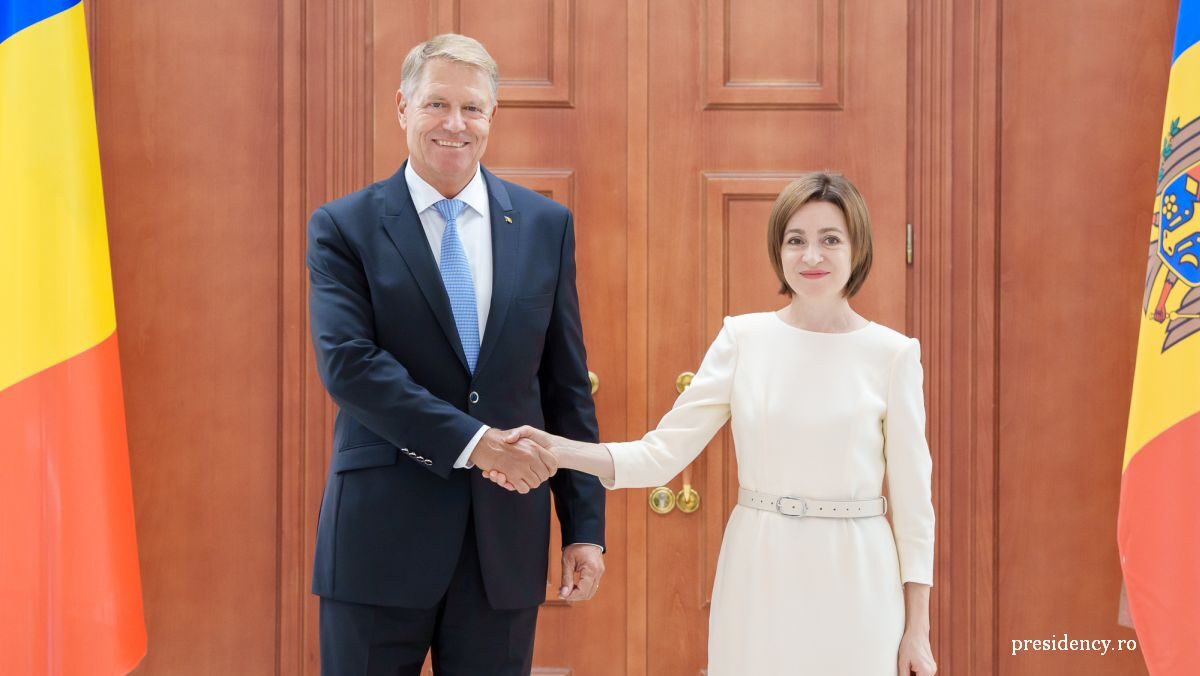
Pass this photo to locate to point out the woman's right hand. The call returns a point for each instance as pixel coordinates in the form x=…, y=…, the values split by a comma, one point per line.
x=539, y=437
x=566, y=454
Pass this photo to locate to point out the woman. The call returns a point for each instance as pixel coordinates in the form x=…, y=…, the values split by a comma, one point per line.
x=824, y=403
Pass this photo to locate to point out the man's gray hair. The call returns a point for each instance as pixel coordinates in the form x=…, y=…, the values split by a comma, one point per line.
x=452, y=47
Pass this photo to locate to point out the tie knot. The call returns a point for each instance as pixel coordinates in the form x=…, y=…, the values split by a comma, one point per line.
x=449, y=209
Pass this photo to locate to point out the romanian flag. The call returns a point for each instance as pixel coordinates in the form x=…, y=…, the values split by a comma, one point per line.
x=70, y=592
x=1158, y=529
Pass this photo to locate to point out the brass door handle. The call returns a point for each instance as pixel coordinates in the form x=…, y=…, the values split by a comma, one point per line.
x=663, y=499
x=684, y=381
x=688, y=499
x=594, y=380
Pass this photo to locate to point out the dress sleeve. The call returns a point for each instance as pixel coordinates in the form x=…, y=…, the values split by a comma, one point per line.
x=909, y=467
x=687, y=428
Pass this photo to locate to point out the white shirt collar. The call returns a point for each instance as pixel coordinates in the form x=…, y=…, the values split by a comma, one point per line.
x=424, y=195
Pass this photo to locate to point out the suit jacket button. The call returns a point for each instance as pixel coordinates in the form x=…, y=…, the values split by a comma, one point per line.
x=474, y=398
x=428, y=462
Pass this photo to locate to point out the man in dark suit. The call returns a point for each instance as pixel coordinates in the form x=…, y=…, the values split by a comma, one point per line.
x=444, y=312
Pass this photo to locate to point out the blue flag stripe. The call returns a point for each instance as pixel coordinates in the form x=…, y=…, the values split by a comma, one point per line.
x=17, y=15
x=1187, y=31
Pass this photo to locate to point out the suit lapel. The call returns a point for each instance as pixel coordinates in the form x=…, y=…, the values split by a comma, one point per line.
x=506, y=238
x=403, y=227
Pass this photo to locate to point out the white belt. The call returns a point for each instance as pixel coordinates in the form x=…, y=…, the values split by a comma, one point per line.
x=831, y=509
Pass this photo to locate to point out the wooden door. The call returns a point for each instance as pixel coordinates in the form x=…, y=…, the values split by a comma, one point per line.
x=562, y=81
x=743, y=97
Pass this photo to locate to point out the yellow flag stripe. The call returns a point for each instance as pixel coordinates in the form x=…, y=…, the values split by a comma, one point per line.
x=1164, y=383
x=56, y=297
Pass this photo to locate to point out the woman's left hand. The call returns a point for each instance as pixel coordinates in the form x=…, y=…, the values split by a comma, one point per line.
x=915, y=656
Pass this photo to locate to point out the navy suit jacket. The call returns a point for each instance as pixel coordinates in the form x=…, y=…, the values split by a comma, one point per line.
x=395, y=511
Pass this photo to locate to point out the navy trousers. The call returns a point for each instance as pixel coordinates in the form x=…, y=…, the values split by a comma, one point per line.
x=465, y=634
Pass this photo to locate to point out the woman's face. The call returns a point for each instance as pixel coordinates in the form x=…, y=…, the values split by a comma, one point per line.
x=816, y=251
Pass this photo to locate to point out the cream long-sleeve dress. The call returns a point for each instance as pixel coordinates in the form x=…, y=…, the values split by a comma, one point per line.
x=816, y=415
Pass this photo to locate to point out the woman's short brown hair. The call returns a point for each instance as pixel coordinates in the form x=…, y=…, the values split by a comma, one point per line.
x=838, y=191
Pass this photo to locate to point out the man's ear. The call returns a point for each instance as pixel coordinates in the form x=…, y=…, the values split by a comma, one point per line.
x=401, y=105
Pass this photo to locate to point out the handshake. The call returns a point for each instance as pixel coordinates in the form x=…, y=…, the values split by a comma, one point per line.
x=520, y=459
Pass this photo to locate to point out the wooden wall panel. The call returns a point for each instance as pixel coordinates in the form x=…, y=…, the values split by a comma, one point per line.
x=1076, y=186
x=802, y=65
x=533, y=39
x=791, y=28
x=191, y=177
x=557, y=184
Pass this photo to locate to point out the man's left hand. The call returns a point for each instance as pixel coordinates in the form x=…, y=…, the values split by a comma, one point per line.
x=583, y=566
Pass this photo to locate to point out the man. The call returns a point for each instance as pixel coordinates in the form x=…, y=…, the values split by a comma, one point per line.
x=444, y=311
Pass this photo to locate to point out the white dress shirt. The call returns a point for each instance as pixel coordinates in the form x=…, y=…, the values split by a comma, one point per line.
x=475, y=231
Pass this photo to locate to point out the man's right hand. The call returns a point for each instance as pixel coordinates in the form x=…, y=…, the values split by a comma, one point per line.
x=523, y=462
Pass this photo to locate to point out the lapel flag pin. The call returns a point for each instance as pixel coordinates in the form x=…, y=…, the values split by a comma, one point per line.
x=507, y=219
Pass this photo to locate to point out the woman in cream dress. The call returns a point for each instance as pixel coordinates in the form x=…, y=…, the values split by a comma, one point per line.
x=824, y=405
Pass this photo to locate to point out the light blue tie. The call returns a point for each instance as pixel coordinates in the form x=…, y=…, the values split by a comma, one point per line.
x=460, y=286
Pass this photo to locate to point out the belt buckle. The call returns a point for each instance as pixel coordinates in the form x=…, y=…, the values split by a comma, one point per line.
x=803, y=505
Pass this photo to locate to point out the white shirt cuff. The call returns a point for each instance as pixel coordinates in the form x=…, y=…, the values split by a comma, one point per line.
x=462, y=462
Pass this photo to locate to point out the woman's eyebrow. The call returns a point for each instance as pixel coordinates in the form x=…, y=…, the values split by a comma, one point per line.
x=801, y=232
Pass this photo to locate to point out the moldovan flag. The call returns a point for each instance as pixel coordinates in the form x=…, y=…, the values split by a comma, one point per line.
x=70, y=592
x=1158, y=529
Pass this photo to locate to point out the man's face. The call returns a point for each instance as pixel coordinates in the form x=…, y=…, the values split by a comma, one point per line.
x=447, y=123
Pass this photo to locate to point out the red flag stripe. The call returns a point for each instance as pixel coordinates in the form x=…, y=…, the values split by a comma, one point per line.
x=1159, y=535
x=68, y=525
